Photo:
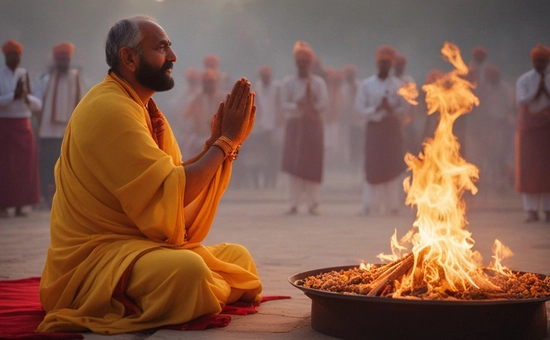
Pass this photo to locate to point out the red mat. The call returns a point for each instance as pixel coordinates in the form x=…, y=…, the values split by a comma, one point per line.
x=21, y=312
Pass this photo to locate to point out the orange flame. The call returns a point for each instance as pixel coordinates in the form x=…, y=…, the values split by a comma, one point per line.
x=409, y=92
x=442, y=247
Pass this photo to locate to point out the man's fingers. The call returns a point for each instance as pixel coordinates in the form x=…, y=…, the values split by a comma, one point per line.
x=242, y=95
x=242, y=98
x=231, y=97
x=236, y=93
x=220, y=110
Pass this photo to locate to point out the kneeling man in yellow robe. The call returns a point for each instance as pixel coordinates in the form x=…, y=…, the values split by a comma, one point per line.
x=129, y=216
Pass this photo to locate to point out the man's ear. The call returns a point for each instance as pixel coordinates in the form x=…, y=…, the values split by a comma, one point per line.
x=129, y=58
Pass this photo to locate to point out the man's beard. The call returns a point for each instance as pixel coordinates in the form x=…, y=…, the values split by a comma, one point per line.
x=154, y=78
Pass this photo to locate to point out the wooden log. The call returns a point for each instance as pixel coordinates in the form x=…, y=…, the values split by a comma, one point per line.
x=396, y=270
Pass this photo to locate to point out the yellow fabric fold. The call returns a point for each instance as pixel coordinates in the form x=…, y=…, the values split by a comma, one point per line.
x=120, y=195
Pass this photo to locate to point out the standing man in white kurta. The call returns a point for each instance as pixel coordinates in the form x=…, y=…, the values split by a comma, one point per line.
x=61, y=91
x=18, y=160
x=533, y=135
x=304, y=97
x=378, y=101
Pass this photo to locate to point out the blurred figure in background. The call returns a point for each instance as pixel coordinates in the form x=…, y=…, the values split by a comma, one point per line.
x=198, y=114
x=60, y=90
x=496, y=146
x=212, y=62
x=19, y=179
x=304, y=98
x=193, y=85
x=377, y=99
x=478, y=64
x=332, y=118
x=262, y=155
x=411, y=128
x=469, y=128
x=533, y=135
x=354, y=123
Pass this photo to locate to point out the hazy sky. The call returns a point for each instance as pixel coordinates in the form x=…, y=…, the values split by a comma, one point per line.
x=249, y=33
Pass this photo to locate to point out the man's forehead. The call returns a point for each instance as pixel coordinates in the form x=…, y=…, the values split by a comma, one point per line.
x=153, y=32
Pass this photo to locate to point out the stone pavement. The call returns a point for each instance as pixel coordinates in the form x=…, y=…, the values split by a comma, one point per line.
x=285, y=245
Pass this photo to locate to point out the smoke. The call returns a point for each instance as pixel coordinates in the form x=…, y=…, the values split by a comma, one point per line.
x=249, y=33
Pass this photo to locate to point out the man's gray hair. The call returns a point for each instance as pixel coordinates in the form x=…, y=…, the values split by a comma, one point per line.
x=124, y=33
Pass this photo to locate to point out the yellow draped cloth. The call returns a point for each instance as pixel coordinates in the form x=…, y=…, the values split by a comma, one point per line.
x=125, y=254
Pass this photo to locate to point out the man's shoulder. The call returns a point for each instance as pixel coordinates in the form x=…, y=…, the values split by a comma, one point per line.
x=110, y=94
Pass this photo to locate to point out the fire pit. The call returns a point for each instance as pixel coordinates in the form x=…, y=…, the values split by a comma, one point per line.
x=351, y=316
x=434, y=286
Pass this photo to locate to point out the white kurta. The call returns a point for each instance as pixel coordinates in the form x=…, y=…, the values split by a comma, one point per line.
x=380, y=197
x=526, y=88
x=10, y=108
x=60, y=96
x=294, y=89
x=372, y=91
x=267, y=97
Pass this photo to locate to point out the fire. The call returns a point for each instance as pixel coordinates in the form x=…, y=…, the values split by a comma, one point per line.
x=441, y=246
x=409, y=92
x=441, y=264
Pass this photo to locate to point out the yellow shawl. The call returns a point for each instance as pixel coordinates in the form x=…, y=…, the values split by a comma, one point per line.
x=120, y=187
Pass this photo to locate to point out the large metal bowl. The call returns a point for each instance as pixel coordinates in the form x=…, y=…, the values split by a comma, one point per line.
x=349, y=316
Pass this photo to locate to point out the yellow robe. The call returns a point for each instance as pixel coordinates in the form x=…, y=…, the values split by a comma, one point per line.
x=118, y=213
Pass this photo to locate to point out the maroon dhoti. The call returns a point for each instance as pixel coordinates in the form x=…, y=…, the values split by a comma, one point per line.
x=19, y=184
x=384, y=156
x=304, y=148
x=533, y=152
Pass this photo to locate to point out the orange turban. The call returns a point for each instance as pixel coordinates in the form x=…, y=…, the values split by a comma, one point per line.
x=386, y=52
x=302, y=49
x=400, y=60
x=63, y=49
x=211, y=61
x=12, y=46
x=479, y=54
x=540, y=52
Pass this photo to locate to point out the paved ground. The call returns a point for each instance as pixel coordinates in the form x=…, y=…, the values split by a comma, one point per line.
x=284, y=245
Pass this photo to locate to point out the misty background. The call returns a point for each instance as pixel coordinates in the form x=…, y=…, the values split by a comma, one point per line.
x=249, y=33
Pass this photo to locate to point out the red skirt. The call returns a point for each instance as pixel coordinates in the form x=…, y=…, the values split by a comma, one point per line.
x=533, y=152
x=19, y=179
x=304, y=149
x=384, y=156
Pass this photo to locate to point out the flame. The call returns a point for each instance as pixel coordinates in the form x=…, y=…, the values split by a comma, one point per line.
x=442, y=247
x=409, y=92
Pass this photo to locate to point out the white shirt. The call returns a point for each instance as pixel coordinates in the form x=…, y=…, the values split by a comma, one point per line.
x=67, y=95
x=267, y=97
x=10, y=108
x=526, y=88
x=372, y=91
x=294, y=89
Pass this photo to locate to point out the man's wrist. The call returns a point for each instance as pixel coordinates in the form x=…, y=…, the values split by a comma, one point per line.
x=229, y=147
